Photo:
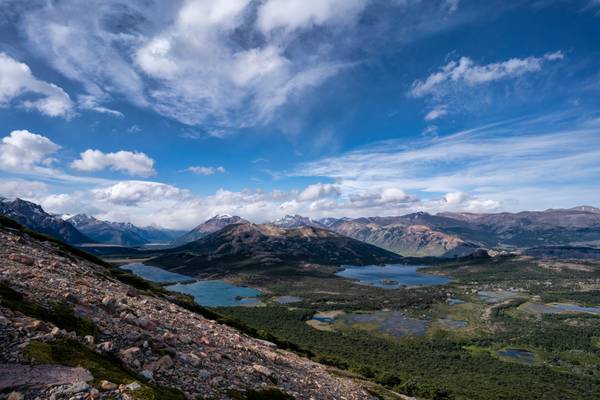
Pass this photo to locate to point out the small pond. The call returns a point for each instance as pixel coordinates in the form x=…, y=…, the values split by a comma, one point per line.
x=217, y=293
x=154, y=274
x=287, y=299
x=454, y=302
x=391, y=276
x=393, y=323
x=453, y=323
x=517, y=354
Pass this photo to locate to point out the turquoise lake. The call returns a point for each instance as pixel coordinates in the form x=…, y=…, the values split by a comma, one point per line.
x=217, y=293
x=209, y=293
x=391, y=276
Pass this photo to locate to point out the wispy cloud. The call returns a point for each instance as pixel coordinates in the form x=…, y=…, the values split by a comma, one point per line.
x=206, y=171
x=488, y=162
x=466, y=72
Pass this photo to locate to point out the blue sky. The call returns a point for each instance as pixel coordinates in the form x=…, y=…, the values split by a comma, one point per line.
x=170, y=112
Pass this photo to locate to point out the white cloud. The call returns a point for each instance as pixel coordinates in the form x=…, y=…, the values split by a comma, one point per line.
x=133, y=163
x=296, y=14
x=206, y=170
x=318, y=191
x=465, y=71
x=132, y=193
x=21, y=188
x=189, y=60
x=436, y=113
x=16, y=80
x=26, y=151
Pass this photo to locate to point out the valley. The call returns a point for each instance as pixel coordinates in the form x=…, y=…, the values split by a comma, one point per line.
x=502, y=327
x=492, y=322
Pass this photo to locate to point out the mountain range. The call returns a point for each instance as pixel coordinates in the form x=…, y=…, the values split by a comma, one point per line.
x=122, y=233
x=417, y=234
x=247, y=245
x=458, y=234
x=34, y=217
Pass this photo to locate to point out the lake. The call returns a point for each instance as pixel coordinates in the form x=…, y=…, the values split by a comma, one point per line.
x=217, y=293
x=392, y=276
x=154, y=274
x=209, y=293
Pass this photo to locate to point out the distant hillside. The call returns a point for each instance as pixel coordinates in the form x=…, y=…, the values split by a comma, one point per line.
x=209, y=226
x=241, y=246
x=34, y=217
x=121, y=233
x=554, y=227
x=459, y=234
x=417, y=235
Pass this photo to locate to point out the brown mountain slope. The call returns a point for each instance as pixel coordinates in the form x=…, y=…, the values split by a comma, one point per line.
x=115, y=332
x=412, y=235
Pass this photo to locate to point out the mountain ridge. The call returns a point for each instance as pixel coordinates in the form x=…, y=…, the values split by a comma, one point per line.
x=246, y=246
x=33, y=216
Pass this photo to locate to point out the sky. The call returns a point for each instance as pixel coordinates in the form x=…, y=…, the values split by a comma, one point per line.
x=168, y=112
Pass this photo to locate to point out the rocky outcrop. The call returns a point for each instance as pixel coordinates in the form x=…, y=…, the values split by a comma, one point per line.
x=161, y=343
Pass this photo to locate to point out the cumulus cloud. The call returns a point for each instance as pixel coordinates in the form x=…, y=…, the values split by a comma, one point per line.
x=26, y=151
x=465, y=71
x=132, y=193
x=133, y=163
x=318, y=191
x=206, y=170
x=17, y=80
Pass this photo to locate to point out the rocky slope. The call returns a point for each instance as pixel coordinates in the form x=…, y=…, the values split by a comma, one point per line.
x=417, y=235
x=247, y=246
x=209, y=226
x=105, y=339
x=34, y=217
x=121, y=233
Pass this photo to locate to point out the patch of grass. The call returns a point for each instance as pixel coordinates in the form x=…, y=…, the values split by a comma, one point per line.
x=103, y=367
